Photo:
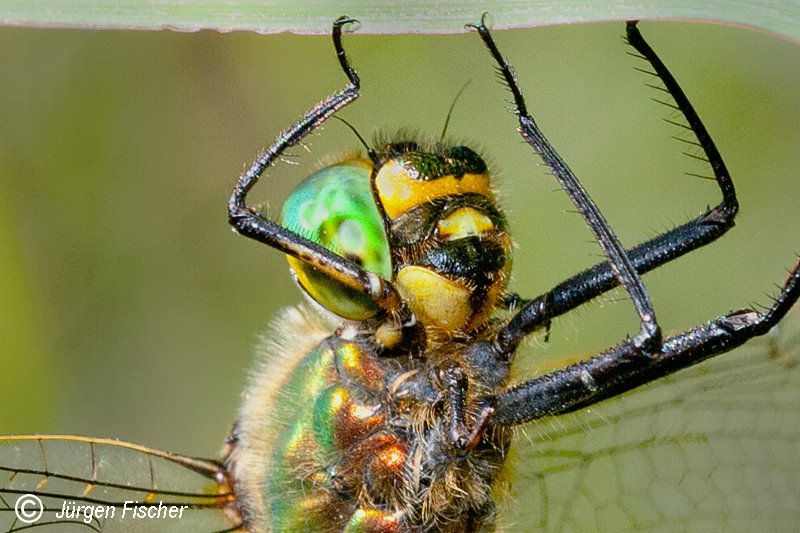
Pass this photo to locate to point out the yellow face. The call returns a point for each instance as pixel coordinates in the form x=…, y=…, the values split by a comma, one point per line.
x=450, y=247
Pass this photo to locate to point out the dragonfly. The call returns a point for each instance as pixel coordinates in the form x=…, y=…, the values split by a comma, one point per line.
x=757, y=373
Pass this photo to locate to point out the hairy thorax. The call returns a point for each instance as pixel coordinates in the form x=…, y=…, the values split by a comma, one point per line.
x=368, y=447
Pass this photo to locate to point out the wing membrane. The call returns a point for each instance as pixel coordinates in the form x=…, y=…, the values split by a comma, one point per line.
x=713, y=447
x=92, y=479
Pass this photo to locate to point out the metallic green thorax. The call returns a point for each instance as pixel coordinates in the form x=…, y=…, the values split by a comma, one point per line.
x=285, y=491
x=343, y=463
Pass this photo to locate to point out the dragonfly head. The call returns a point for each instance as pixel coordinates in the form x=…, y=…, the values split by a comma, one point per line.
x=425, y=219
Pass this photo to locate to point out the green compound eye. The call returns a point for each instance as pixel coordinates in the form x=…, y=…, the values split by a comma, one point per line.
x=334, y=208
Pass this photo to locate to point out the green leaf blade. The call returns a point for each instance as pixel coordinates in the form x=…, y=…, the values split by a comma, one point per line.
x=781, y=17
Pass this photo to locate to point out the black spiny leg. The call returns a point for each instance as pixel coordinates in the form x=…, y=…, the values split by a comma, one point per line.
x=618, y=369
x=698, y=232
x=648, y=340
x=250, y=223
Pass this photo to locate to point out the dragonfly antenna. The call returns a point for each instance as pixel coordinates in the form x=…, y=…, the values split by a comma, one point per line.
x=452, y=106
x=370, y=151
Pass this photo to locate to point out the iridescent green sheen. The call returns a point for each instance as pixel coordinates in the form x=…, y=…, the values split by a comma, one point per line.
x=297, y=452
x=357, y=523
x=327, y=403
x=334, y=207
x=288, y=488
x=313, y=373
x=371, y=521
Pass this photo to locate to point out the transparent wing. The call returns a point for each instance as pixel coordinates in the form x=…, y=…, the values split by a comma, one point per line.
x=715, y=447
x=83, y=484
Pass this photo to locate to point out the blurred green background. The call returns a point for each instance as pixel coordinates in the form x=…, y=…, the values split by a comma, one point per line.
x=129, y=309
